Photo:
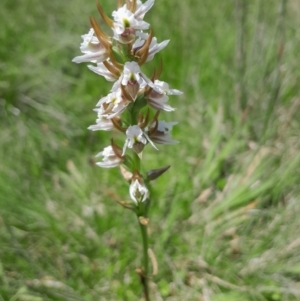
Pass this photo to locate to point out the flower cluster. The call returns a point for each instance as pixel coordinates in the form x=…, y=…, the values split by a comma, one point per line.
x=135, y=100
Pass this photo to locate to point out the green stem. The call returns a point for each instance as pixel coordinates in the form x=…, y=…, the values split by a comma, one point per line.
x=137, y=161
x=145, y=274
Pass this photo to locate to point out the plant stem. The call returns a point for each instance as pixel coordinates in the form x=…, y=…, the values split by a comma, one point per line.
x=145, y=272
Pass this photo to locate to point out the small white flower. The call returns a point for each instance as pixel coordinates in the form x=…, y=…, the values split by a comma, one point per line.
x=126, y=23
x=159, y=101
x=158, y=96
x=114, y=104
x=112, y=98
x=133, y=78
x=102, y=122
x=163, y=133
x=165, y=127
x=138, y=192
x=132, y=74
x=110, y=159
x=134, y=136
x=163, y=88
x=153, y=47
x=92, y=49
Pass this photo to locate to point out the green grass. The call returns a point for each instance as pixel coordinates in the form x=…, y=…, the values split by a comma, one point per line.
x=224, y=220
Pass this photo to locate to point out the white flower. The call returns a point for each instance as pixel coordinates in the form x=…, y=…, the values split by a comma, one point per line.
x=126, y=23
x=92, y=49
x=163, y=88
x=159, y=101
x=110, y=159
x=138, y=192
x=162, y=135
x=158, y=96
x=153, y=47
x=132, y=79
x=102, y=122
x=113, y=103
x=112, y=98
x=132, y=73
x=135, y=136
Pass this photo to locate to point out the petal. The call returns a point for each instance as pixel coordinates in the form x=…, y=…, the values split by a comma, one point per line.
x=143, y=9
x=102, y=70
x=96, y=57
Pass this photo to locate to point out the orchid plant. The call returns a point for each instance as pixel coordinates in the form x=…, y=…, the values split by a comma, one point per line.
x=133, y=104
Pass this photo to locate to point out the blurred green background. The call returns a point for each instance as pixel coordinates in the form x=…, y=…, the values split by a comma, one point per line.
x=224, y=224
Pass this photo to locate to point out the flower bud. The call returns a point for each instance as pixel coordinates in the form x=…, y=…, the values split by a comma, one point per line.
x=138, y=190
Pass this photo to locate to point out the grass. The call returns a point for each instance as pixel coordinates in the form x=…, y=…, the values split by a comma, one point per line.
x=224, y=221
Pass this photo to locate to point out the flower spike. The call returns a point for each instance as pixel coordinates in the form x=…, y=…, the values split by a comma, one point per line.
x=133, y=103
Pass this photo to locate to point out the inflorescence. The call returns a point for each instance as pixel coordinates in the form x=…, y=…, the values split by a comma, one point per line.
x=134, y=102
